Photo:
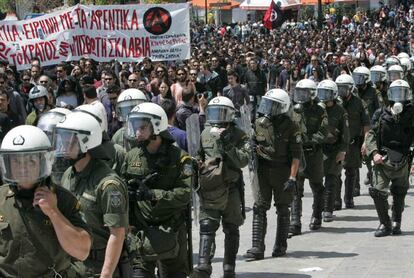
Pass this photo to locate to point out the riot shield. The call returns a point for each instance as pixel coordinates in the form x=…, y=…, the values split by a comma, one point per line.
x=244, y=123
x=193, y=142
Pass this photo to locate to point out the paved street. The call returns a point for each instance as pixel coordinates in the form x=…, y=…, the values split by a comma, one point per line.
x=343, y=248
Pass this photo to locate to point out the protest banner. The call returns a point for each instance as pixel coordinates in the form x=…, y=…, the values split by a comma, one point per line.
x=127, y=33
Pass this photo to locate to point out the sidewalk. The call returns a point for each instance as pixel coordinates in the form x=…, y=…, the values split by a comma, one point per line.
x=343, y=248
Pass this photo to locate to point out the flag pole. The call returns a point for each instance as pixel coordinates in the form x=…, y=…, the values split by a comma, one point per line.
x=205, y=10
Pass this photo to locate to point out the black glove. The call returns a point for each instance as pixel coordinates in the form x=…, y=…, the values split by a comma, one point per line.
x=144, y=194
x=290, y=186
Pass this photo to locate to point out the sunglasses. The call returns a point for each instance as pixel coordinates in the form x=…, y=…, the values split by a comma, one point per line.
x=25, y=80
x=2, y=82
x=180, y=74
x=108, y=78
x=132, y=80
x=59, y=71
x=41, y=81
x=160, y=71
x=193, y=74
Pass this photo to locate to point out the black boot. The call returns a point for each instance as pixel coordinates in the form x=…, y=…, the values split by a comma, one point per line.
x=231, y=247
x=330, y=188
x=295, y=227
x=283, y=221
x=258, y=234
x=398, y=196
x=381, y=204
x=316, y=220
x=208, y=229
x=350, y=181
x=357, y=185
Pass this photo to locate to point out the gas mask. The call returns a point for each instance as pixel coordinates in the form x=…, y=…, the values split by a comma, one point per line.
x=216, y=130
x=298, y=108
x=397, y=108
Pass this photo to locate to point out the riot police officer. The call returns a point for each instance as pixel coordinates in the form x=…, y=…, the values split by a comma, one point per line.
x=365, y=90
x=379, y=79
x=279, y=148
x=38, y=96
x=47, y=122
x=126, y=101
x=102, y=194
x=41, y=228
x=313, y=121
x=388, y=144
x=336, y=143
x=395, y=72
x=158, y=182
x=358, y=126
x=225, y=147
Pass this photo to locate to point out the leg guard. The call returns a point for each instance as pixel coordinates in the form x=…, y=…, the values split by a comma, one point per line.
x=381, y=204
x=258, y=234
x=231, y=247
x=295, y=227
x=350, y=181
x=283, y=221
x=398, y=197
x=318, y=193
x=208, y=228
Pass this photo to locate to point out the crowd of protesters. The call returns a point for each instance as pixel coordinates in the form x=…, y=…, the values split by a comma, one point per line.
x=223, y=58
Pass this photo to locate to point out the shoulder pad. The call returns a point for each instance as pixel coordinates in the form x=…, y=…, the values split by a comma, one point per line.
x=321, y=104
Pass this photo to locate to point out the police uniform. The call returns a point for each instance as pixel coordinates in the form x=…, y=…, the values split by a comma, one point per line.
x=222, y=200
x=279, y=141
x=104, y=201
x=171, y=187
x=315, y=121
x=391, y=136
x=336, y=141
x=372, y=102
x=20, y=255
x=118, y=137
x=358, y=119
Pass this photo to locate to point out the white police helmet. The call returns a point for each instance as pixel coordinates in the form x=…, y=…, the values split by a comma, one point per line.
x=220, y=110
x=145, y=114
x=327, y=90
x=345, y=84
x=378, y=74
x=361, y=76
x=274, y=102
x=127, y=100
x=26, y=155
x=305, y=90
x=395, y=72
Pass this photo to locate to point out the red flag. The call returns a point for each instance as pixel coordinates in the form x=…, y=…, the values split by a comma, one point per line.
x=273, y=17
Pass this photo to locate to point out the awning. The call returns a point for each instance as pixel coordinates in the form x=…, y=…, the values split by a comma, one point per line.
x=216, y=4
x=265, y=4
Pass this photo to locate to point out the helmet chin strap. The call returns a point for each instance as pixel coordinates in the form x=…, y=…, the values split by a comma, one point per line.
x=146, y=142
x=79, y=157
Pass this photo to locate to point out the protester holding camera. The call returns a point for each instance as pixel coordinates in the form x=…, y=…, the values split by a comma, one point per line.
x=188, y=107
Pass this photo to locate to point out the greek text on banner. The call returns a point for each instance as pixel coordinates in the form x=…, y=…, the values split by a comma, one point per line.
x=127, y=33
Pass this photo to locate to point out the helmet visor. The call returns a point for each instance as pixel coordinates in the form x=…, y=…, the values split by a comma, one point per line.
x=66, y=143
x=302, y=95
x=325, y=94
x=124, y=107
x=219, y=114
x=394, y=75
x=344, y=90
x=359, y=78
x=377, y=76
x=399, y=94
x=26, y=168
x=138, y=127
x=272, y=108
x=47, y=123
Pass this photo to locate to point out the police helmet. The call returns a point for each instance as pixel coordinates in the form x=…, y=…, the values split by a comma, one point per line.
x=274, y=102
x=220, y=110
x=345, y=84
x=361, y=76
x=399, y=91
x=305, y=90
x=127, y=100
x=327, y=90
